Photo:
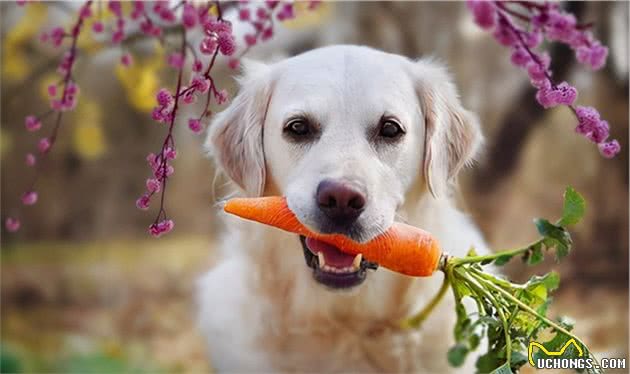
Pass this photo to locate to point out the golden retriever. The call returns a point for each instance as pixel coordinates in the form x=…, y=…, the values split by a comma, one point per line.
x=355, y=139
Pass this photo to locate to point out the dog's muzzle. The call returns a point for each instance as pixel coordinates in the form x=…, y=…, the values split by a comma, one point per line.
x=332, y=267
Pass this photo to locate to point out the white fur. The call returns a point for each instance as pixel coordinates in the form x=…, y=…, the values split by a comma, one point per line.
x=260, y=309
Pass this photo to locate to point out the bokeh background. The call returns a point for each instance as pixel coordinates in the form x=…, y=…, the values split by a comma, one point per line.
x=84, y=288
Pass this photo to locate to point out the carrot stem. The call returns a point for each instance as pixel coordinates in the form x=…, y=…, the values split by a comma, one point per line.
x=417, y=320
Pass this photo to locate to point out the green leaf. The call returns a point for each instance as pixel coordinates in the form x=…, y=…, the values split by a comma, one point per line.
x=502, y=260
x=573, y=209
x=518, y=359
x=503, y=369
x=488, y=362
x=535, y=255
x=550, y=281
x=457, y=354
x=554, y=237
x=473, y=341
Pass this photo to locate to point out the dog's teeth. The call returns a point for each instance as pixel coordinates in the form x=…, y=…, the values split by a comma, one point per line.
x=356, y=263
x=322, y=260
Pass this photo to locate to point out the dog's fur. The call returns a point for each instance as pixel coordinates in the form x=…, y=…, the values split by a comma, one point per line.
x=260, y=308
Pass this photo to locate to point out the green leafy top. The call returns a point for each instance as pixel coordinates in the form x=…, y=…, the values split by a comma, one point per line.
x=509, y=315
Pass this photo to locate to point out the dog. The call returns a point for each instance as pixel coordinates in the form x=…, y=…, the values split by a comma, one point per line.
x=355, y=138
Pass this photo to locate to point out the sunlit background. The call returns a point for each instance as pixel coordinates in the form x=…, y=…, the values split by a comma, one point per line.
x=84, y=288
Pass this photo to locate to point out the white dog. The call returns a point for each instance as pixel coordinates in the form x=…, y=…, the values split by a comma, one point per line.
x=355, y=139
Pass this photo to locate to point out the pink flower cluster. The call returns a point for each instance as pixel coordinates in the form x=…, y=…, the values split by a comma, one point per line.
x=218, y=37
x=61, y=100
x=152, y=19
x=161, y=170
x=545, y=20
x=163, y=111
x=596, y=130
x=162, y=227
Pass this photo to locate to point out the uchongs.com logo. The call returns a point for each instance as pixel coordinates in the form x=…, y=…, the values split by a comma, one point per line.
x=555, y=360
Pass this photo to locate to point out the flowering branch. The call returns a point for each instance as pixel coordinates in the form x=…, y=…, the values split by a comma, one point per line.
x=157, y=19
x=534, y=23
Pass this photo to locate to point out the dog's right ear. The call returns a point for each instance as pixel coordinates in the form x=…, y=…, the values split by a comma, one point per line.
x=235, y=136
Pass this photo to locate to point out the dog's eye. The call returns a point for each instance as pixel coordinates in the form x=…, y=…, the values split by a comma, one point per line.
x=390, y=129
x=298, y=127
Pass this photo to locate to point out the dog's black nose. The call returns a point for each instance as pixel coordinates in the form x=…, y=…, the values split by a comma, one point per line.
x=341, y=201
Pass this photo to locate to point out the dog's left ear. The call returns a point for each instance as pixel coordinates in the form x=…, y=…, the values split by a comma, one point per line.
x=452, y=134
x=235, y=136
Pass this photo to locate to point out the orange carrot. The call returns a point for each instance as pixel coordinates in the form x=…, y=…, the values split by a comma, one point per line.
x=403, y=248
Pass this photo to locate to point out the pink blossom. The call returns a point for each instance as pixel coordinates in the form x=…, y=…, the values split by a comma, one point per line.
x=12, y=224
x=208, y=46
x=32, y=123
x=167, y=15
x=44, y=145
x=170, y=153
x=221, y=97
x=201, y=84
x=115, y=7
x=153, y=161
x=533, y=39
x=234, y=63
x=226, y=42
x=214, y=28
x=609, y=149
x=126, y=59
x=560, y=26
x=164, y=97
x=244, y=14
x=194, y=125
x=483, y=12
x=98, y=27
x=66, y=63
x=197, y=66
x=189, y=97
x=590, y=125
x=160, y=174
x=85, y=11
x=272, y=3
x=176, y=60
x=595, y=55
x=153, y=185
x=286, y=12
x=163, y=227
x=52, y=90
x=552, y=96
x=72, y=88
x=30, y=159
x=261, y=14
x=143, y=202
x=118, y=36
x=56, y=35
x=250, y=39
x=504, y=33
x=520, y=57
x=29, y=198
x=189, y=16
x=267, y=34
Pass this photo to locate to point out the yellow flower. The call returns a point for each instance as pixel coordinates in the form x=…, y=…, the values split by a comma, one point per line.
x=88, y=138
x=15, y=62
x=305, y=17
x=141, y=80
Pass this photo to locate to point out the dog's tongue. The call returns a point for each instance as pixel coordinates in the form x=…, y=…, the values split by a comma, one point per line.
x=334, y=257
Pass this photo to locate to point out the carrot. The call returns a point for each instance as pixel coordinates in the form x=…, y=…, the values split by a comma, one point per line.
x=403, y=248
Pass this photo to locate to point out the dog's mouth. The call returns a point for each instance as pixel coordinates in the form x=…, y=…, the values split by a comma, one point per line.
x=333, y=268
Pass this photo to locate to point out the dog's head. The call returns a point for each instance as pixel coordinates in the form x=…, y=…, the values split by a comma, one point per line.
x=344, y=133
